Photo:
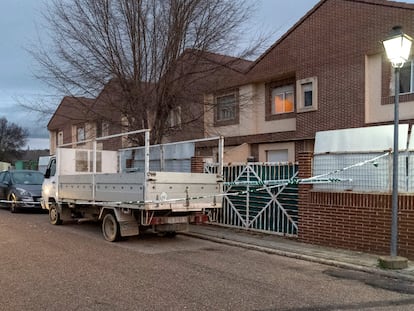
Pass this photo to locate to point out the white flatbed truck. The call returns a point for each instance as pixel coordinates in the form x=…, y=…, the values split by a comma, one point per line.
x=126, y=202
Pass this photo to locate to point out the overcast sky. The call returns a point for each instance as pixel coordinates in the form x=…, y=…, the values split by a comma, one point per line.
x=19, y=25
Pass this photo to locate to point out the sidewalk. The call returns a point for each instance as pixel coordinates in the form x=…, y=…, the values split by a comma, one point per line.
x=273, y=244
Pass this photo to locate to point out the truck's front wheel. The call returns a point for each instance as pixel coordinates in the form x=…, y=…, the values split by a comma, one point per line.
x=110, y=228
x=54, y=216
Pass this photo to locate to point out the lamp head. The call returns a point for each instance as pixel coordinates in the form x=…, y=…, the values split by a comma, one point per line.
x=397, y=46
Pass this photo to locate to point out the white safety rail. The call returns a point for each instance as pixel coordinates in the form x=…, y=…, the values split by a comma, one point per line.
x=168, y=157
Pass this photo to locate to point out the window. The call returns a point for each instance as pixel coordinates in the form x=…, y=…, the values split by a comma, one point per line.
x=7, y=178
x=283, y=100
x=307, y=94
x=80, y=133
x=174, y=118
x=2, y=175
x=277, y=155
x=52, y=167
x=102, y=128
x=59, y=138
x=406, y=78
x=226, y=107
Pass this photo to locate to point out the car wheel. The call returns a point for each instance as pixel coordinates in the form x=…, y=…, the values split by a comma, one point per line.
x=54, y=216
x=13, y=203
x=110, y=228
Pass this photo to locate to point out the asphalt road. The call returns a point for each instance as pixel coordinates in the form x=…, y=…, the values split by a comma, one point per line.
x=71, y=267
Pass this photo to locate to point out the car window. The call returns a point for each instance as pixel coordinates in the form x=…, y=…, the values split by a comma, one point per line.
x=28, y=178
x=6, y=177
x=2, y=174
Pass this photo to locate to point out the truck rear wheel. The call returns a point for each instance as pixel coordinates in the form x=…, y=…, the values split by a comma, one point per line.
x=54, y=215
x=110, y=228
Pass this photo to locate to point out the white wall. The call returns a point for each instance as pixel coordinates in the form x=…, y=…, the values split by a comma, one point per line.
x=374, y=110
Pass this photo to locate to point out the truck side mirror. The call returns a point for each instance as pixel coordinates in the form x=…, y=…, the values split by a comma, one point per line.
x=47, y=173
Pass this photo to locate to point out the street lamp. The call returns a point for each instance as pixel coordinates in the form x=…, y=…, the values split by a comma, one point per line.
x=397, y=46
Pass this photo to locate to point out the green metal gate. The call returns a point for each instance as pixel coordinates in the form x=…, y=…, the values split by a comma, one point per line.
x=260, y=196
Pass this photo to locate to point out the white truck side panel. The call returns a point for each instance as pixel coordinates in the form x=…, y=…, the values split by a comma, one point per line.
x=175, y=188
x=109, y=187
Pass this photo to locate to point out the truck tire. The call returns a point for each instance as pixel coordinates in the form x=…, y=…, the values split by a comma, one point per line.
x=110, y=228
x=54, y=215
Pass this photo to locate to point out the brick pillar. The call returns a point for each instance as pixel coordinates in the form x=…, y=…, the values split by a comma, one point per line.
x=305, y=164
x=305, y=171
x=197, y=165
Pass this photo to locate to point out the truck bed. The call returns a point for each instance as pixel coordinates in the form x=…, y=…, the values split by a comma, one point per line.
x=174, y=191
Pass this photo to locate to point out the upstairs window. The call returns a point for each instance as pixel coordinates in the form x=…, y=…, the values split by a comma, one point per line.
x=174, y=118
x=283, y=99
x=307, y=94
x=80, y=133
x=406, y=78
x=59, y=138
x=226, y=108
x=102, y=128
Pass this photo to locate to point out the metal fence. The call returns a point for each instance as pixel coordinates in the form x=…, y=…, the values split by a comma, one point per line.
x=174, y=157
x=364, y=172
x=168, y=157
x=259, y=196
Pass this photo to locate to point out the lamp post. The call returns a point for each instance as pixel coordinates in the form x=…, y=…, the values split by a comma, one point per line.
x=397, y=46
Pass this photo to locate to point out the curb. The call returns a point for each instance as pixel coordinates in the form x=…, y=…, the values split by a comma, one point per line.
x=319, y=260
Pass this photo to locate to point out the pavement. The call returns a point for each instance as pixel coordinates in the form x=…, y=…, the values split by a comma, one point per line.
x=288, y=247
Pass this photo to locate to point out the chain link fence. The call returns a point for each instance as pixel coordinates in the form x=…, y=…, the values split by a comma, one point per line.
x=364, y=172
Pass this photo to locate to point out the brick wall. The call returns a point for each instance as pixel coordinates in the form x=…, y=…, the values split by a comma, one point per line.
x=355, y=221
x=197, y=164
x=331, y=44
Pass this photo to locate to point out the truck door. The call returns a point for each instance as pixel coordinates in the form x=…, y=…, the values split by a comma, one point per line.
x=49, y=183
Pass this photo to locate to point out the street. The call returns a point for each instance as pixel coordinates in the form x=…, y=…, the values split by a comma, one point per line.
x=71, y=267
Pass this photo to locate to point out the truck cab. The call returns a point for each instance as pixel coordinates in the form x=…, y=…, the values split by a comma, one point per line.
x=49, y=189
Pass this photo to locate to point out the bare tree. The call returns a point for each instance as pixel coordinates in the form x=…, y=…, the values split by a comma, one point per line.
x=158, y=54
x=12, y=139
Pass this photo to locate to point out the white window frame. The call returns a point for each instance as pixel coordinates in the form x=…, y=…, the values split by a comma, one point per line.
x=303, y=86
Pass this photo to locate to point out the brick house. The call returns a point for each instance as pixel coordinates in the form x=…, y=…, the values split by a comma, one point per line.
x=329, y=71
x=79, y=118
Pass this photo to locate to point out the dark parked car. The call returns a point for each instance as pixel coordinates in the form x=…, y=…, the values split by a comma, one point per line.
x=23, y=188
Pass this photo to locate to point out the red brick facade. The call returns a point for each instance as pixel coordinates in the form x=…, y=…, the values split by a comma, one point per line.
x=355, y=221
x=330, y=43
